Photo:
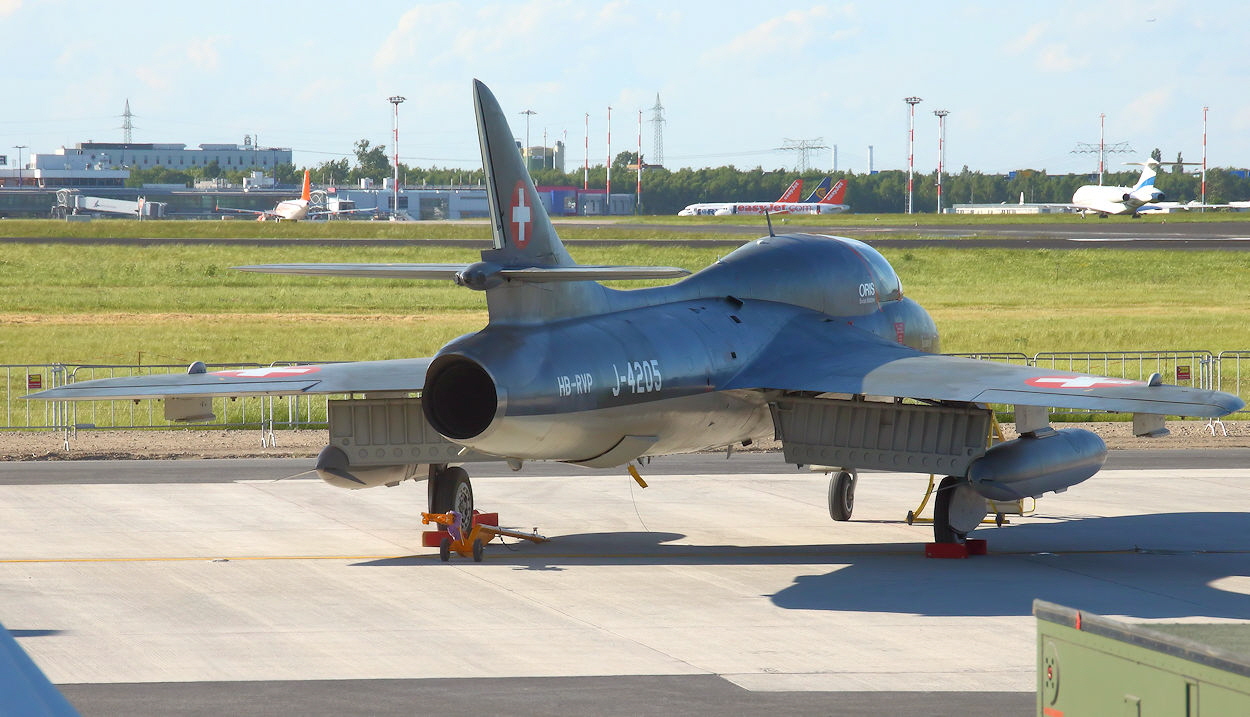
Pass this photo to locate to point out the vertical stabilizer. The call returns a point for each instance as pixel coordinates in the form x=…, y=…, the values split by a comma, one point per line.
x=837, y=195
x=306, y=193
x=521, y=229
x=820, y=192
x=1148, y=173
x=794, y=192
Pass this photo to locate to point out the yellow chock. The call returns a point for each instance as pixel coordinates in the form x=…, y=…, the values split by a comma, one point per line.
x=633, y=472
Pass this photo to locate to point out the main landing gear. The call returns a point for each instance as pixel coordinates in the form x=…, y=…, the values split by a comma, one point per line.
x=957, y=511
x=450, y=489
x=842, y=494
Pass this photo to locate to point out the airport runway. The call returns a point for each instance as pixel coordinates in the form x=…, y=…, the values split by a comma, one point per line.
x=1142, y=234
x=211, y=587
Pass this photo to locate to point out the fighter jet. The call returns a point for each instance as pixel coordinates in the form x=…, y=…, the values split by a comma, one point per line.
x=802, y=337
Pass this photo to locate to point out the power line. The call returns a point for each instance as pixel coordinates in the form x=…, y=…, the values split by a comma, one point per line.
x=804, y=148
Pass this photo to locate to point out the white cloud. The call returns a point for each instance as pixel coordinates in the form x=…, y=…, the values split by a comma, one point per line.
x=793, y=31
x=1026, y=41
x=1059, y=58
x=203, y=53
x=422, y=23
x=8, y=7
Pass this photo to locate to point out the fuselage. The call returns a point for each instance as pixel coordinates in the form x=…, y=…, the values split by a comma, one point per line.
x=748, y=208
x=291, y=209
x=649, y=363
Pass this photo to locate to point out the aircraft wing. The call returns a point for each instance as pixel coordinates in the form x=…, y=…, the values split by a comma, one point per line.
x=813, y=353
x=398, y=375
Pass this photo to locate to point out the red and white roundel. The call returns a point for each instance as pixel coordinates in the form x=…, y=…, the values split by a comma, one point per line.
x=521, y=214
x=1079, y=382
x=270, y=372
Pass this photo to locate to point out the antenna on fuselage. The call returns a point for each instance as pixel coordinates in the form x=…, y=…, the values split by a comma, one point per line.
x=770, y=223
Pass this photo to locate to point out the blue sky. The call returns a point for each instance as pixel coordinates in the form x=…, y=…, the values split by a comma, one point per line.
x=1023, y=82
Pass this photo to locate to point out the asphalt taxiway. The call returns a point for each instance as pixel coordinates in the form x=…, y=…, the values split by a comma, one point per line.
x=210, y=587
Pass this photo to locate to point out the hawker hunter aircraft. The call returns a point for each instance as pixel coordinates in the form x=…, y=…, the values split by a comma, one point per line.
x=802, y=337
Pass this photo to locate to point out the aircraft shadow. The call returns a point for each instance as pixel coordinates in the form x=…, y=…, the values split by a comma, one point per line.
x=1149, y=566
x=36, y=633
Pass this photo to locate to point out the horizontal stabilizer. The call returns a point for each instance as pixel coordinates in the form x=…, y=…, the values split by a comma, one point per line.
x=452, y=271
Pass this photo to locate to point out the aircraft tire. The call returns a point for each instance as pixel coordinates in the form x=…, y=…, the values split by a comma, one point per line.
x=452, y=490
x=942, y=530
x=478, y=550
x=842, y=494
x=444, y=550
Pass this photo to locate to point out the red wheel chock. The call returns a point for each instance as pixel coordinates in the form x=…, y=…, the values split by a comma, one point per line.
x=956, y=550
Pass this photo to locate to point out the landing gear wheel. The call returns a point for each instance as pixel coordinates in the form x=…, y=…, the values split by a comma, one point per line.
x=444, y=550
x=450, y=490
x=842, y=494
x=942, y=530
x=478, y=549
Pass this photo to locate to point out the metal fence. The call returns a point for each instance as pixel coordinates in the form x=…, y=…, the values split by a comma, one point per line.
x=1227, y=371
x=264, y=412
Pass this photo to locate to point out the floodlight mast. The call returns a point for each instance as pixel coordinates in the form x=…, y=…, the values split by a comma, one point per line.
x=911, y=145
x=1204, y=158
x=395, y=179
x=19, y=148
x=941, y=115
x=607, y=192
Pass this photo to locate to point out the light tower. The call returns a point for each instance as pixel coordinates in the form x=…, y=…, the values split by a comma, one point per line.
x=638, y=189
x=607, y=193
x=586, y=165
x=395, y=178
x=941, y=115
x=911, y=143
x=19, y=148
x=1204, y=157
x=528, y=114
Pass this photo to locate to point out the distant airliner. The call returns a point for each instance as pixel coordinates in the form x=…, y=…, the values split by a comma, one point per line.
x=830, y=203
x=1121, y=200
x=292, y=210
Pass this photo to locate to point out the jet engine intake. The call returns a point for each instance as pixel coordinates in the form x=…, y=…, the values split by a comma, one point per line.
x=1037, y=463
x=459, y=398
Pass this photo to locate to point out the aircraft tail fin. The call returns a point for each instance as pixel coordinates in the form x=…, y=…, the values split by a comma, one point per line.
x=820, y=191
x=306, y=192
x=837, y=195
x=793, y=193
x=522, y=232
x=1148, y=173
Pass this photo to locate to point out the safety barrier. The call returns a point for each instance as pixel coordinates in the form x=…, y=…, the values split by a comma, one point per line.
x=266, y=412
x=1232, y=376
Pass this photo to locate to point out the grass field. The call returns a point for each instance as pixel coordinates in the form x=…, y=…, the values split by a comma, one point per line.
x=177, y=303
x=172, y=303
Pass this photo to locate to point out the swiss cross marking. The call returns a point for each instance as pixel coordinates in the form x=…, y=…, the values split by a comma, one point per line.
x=522, y=217
x=269, y=372
x=1079, y=382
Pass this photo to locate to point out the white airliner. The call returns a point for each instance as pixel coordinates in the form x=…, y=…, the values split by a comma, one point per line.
x=831, y=203
x=293, y=210
x=1120, y=200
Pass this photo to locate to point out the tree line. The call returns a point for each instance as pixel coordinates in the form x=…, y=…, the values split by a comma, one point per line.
x=666, y=191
